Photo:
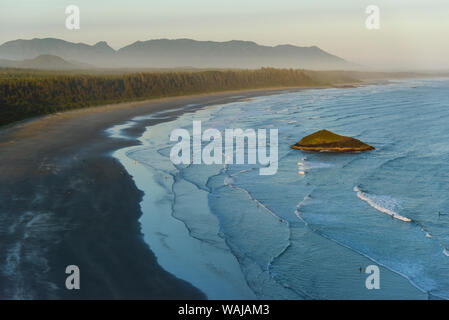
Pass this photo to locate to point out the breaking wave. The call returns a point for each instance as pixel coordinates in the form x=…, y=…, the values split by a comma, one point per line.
x=385, y=204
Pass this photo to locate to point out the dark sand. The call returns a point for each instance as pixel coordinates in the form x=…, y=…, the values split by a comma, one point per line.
x=64, y=200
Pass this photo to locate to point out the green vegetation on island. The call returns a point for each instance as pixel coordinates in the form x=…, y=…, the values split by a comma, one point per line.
x=325, y=140
x=29, y=93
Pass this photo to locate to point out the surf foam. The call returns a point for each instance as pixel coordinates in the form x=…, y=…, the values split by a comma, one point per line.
x=381, y=203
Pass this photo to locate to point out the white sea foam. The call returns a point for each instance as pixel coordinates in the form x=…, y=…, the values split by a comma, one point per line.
x=383, y=204
x=228, y=180
x=303, y=203
x=250, y=196
x=445, y=252
x=117, y=130
x=317, y=165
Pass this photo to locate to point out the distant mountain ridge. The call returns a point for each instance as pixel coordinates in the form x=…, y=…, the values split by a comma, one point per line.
x=30, y=49
x=44, y=61
x=165, y=53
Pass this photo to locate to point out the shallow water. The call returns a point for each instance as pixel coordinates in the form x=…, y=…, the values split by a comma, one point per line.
x=236, y=234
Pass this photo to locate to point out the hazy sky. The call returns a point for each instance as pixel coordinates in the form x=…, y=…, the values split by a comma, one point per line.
x=412, y=34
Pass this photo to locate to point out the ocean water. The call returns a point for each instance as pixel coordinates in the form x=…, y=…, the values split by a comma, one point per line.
x=235, y=234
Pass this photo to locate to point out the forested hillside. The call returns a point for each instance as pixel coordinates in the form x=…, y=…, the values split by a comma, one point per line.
x=25, y=94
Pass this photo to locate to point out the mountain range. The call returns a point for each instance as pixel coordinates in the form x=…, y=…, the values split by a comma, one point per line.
x=165, y=53
x=44, y=61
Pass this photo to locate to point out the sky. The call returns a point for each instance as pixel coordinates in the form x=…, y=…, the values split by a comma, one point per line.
x=413, y=34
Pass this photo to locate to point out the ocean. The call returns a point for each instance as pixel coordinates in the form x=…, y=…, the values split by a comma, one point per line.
x=235, y=234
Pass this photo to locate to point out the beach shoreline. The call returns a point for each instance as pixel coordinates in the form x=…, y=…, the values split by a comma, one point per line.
x=66, y=200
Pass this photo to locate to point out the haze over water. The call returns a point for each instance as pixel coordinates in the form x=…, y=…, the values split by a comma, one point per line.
x=235, y=234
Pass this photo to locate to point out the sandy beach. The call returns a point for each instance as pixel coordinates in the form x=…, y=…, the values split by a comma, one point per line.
x=65, y=200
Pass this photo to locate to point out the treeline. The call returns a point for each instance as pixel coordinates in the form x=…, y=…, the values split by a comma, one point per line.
x=33, y=95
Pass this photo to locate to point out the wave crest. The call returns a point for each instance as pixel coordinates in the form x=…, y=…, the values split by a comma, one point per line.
x=381, y=203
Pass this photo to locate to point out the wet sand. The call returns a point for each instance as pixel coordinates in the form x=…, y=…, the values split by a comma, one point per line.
x=64, y=200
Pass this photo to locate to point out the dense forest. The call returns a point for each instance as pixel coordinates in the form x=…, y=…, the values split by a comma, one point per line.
x=26, y=94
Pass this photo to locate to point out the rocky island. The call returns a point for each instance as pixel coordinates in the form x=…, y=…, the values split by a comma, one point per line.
x=325, y=140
